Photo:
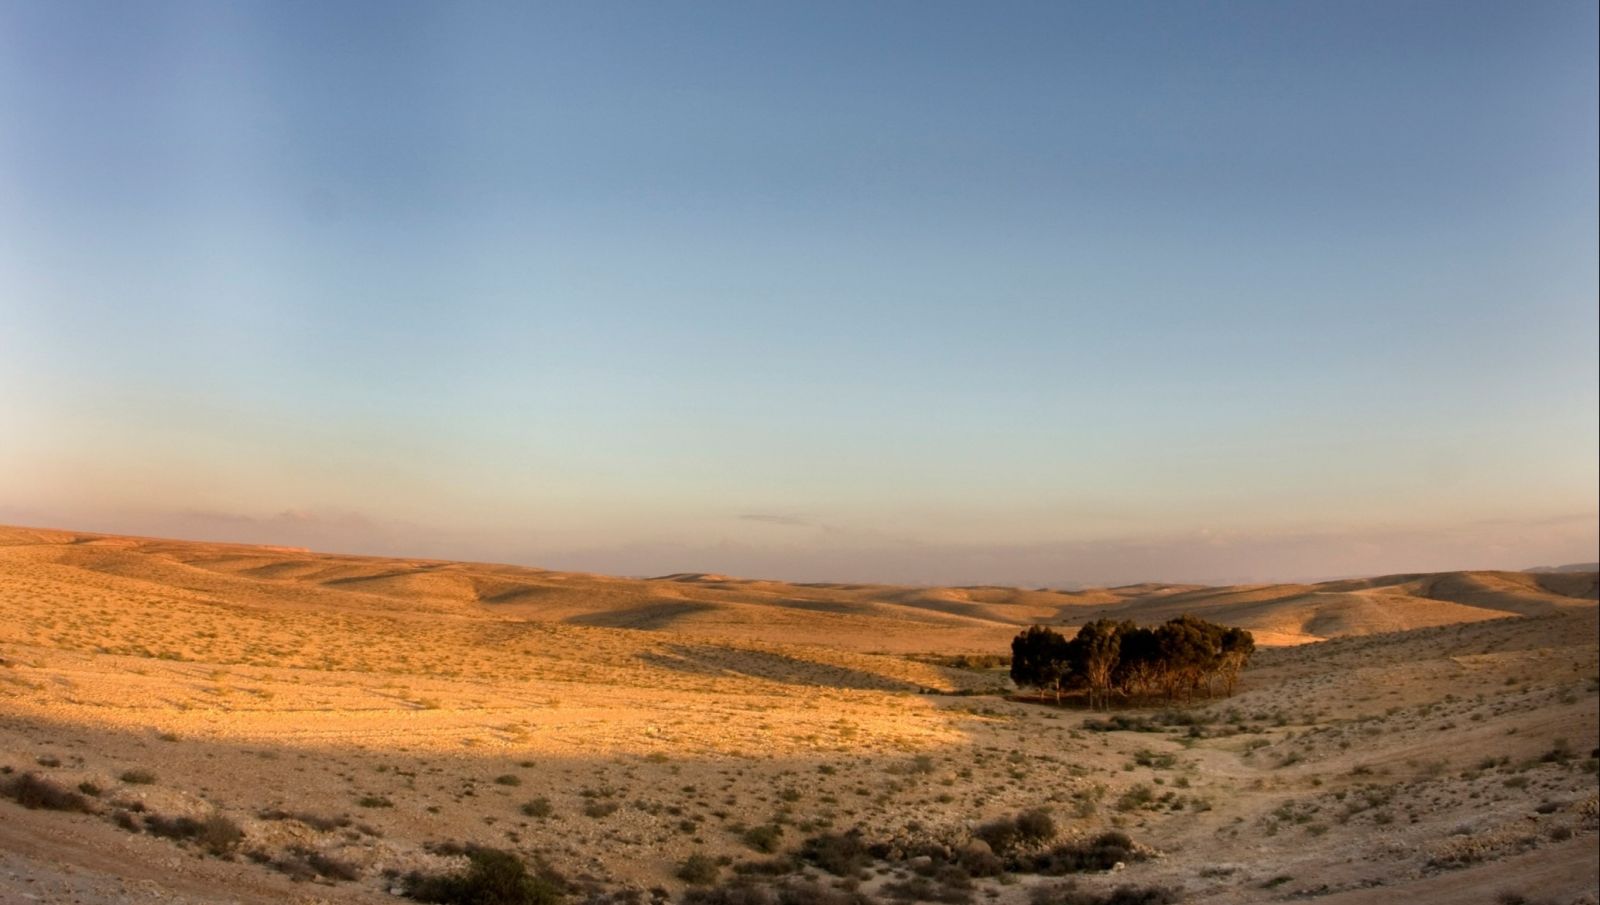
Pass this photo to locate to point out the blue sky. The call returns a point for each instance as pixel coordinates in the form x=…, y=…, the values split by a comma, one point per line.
x=1024, y=293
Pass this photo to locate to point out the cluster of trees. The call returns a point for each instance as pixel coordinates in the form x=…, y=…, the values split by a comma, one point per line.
x=1177, y=658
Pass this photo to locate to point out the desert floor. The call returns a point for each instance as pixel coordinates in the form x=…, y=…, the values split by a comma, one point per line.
x=1425, y=736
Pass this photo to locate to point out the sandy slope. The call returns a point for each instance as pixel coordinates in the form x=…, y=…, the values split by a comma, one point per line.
x=1437, y=747
x=859, y=617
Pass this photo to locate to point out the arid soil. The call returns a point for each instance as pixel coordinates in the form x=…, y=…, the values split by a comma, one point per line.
x=357, y=719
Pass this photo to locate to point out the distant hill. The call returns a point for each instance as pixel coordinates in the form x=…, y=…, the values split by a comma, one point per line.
x=864, y=618
x=1573, y=567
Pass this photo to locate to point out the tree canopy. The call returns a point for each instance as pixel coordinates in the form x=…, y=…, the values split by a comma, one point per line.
x=1177, y=658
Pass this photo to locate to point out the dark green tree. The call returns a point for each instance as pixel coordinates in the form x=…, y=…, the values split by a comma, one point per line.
x=1138, y=671
x=1094, y=655
x=1039, y=659
x=1237, y=646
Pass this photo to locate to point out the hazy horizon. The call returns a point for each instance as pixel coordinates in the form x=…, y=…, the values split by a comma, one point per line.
x=911, y=293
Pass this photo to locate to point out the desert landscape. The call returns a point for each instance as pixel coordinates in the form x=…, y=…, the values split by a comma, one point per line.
x=199, y=722
x=825, y=453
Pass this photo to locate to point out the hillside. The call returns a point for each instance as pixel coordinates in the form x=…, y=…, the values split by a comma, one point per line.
x=863, y=618
x=350, y=719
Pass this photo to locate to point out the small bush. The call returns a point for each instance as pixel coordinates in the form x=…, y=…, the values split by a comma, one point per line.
x=920, y=889
x=508, y=779
x=315, y=821
x=1069, y=894
x=1028, y=828
x=539, y=807
x=137, y=777
x=769, y=867
x=980, y=861
x=217, y=834
x=1036, y=826
x=318, y=864
x=1103, y=852
x=1001, y=835
x=840, y=854
x=794, y=893
x=492, y=877
x=764, y=838
x=37, y=793
x=1155, y=760
x=699, y=870
x=1135, y=798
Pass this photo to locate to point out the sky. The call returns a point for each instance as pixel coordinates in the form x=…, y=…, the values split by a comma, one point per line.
x=1015, y=293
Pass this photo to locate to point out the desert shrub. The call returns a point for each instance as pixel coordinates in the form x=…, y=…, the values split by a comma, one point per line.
x=798, y=893
x=1036, y=826
x=508, y=779
x=539, y=807
x=326, y=865
x=1069, y=893
x=315, y=821
x=698, y=869
x=732, y=894
x=1154, y=760
x=37, y=793
x=768, y=867
x=289, y=864
x=808, y=893
x=600, y=809
x=300, y=863
x=921, y=889
x=841, y=854
x=1007, y=833
x=492, y=877
x=1103, y=852
x=764, y=838
x=1135, y=798
x=90, y=789
x=980, y=861
x=374, y=801
x=125, y=820
x=1118, y=722
x=219, y=835
x=216, y=834
x=1000, y=835
x=137, y=777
